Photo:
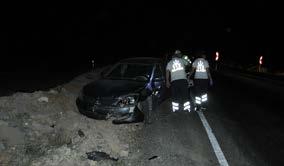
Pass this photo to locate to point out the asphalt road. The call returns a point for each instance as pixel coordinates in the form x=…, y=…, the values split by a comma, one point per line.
x=245, y=116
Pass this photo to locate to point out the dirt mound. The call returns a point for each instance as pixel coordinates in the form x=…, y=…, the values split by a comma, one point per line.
x=45, y=128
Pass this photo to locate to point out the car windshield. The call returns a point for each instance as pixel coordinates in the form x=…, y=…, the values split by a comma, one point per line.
x=139, y=72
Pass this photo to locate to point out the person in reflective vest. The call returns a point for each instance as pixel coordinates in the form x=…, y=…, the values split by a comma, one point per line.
x=202, y=80
x=176, y=79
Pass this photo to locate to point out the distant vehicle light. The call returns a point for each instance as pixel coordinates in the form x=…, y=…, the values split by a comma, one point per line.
x=260, y=60
x=217, y=56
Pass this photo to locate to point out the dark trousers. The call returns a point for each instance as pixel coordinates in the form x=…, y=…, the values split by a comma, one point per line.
x=200, y=86
x=200, y=91
x=180, y=91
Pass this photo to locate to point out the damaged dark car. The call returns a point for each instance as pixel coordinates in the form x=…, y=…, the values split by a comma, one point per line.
x=129, y=91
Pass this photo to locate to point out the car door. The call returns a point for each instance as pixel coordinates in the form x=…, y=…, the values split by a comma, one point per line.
x=159, y=84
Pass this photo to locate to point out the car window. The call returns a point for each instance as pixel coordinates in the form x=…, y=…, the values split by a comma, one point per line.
x=130, y=71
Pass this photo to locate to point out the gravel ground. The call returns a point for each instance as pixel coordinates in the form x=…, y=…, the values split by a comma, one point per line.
x=45, y=128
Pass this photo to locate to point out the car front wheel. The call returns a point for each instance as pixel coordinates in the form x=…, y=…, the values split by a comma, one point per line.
x=148, y=110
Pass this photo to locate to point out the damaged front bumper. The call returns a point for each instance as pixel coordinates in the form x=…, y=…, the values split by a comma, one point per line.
x=102, y=112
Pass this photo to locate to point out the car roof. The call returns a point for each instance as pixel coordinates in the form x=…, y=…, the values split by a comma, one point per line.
x=143, y=60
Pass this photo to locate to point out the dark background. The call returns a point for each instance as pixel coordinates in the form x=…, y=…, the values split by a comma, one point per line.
x=65, y=37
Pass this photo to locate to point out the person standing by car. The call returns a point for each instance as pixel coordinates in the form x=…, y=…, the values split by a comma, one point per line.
x=176, y=79
x=202, y=79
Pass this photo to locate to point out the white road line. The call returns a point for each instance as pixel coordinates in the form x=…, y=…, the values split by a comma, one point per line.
x=218, y=151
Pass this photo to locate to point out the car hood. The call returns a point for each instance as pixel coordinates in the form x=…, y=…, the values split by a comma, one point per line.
x=112, y=88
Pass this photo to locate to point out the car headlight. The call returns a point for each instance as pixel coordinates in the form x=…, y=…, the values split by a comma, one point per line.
x=127, y=101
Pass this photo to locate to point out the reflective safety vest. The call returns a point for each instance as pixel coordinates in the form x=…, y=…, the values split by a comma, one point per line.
x=200, y=67
x=200, y=64
x=177, y=68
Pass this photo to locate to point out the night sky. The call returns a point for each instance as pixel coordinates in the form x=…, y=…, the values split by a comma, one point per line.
x=67, y=36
